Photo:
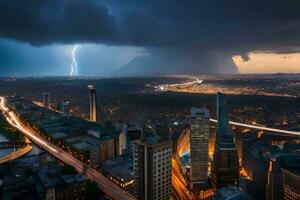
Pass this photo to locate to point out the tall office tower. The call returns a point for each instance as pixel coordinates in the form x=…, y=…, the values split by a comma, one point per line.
x=93, y=103
x=152, y=168
x=225, y=161
x=199, y=135
x=46, y=99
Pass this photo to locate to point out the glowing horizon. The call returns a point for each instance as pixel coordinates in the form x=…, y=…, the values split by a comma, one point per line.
x=268, y=63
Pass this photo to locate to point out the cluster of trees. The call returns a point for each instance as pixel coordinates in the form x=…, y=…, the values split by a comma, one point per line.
x=11, y=133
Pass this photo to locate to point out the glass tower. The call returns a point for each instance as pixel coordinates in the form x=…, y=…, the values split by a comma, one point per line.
x=93, y=103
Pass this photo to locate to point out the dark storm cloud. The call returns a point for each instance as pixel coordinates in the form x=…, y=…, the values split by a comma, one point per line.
x=233, y=24
x=189, y=30
x=245, y=57
x=55, y=21
x=212, y=23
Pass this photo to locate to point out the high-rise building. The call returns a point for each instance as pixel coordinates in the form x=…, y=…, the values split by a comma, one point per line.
x=152, y=168
x=46, y=100
x=93, y=103
x=225, y=161
x=284, y=177
x=199, y=135
x=291, y=184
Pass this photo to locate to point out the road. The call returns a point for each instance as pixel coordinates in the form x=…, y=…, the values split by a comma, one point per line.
x=261, y=128
x=108, y=187
x=195, y=81
x=18, y=153
x=179, y=182
x=198, y=81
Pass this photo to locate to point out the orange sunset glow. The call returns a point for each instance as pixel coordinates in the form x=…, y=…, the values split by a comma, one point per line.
x=265, y=63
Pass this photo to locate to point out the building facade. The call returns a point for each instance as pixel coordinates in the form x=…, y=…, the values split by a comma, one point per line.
x=291, y=184
x=107, y=149
x=199, y=135
x=152, y=169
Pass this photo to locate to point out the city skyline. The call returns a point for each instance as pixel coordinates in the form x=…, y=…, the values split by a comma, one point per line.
x=178, y=151
x=149, y=99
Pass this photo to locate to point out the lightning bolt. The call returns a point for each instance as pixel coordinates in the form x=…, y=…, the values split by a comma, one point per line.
x=74, y=65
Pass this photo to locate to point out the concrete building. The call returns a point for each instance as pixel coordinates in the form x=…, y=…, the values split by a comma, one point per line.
x=152, y=168
x=119, y=170
x=225, y=160
x=134, y=133
x=199, y=135
x=231, y=193
x=93, y=103
x=256, y=163
x=55, y=186
x=106, y=148
x=26, y=179
x=283, y=177
x=291, y=184
x=46, y=100
x=240, y=139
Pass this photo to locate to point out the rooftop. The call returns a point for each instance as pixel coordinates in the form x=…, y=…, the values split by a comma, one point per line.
x=202, y=112
x=231, y=193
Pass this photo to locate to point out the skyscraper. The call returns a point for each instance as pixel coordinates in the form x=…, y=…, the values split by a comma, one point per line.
x=152, y=168
x=225, y=161
x=93, y=103
x=46, y=100
x=199, y=135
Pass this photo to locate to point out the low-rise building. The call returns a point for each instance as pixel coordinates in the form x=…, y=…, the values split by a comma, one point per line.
x=231, y=193
x=26, y=178
x=119, y=170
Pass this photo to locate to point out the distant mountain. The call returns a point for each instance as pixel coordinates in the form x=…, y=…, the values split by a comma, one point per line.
x=160, y=64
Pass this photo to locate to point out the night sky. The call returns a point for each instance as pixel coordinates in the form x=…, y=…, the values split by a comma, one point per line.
x=148, y=37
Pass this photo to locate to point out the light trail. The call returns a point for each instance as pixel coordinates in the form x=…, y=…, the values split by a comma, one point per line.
x=15, y=123
x=196, y=81
x=261, y=128
x=18, y=153
x=74, y=65
x=107, y=186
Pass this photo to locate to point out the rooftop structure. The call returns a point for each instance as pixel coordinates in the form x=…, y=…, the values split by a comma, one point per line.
x=231, y=193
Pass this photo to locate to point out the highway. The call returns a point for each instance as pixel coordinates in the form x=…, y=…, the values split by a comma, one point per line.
x=179, y=182
x=18, y=153
x=198, y=81
x=275, y=130
x=108, y=187
x=164, y=87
